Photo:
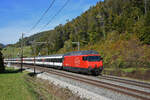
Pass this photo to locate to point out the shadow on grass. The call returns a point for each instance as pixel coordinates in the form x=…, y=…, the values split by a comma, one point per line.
x=10, y=71
x=32, y=74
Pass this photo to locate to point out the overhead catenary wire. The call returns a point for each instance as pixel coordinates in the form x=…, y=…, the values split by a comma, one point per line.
x=51, y=4
x=55, y=14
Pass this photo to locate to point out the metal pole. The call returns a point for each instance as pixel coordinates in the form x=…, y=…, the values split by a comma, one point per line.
x=34, y=56
x=78, y=45
x=47, y=48
x=22, y=53
x=34, y=51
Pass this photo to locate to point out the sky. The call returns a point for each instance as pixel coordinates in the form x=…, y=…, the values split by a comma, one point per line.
x=19, y=16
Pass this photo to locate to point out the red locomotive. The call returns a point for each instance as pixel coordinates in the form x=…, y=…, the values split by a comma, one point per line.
x=83, y=61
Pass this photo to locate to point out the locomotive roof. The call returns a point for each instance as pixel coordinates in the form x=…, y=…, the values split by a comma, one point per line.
x=86, y=52
x=50, y=56
x=55, y=55
x=40, y=57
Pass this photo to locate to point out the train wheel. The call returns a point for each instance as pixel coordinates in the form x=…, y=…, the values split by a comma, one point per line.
x=96, y=72
x=60, y=67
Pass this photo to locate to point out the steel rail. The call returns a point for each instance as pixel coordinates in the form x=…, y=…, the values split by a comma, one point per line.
x=126, y=81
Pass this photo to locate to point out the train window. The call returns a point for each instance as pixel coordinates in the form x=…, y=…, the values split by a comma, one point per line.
x=47, y=60
x=39, y=60
x=94, y=58
x=54, y=60
x=28, y=60
x=84, y=58
x=59, y=60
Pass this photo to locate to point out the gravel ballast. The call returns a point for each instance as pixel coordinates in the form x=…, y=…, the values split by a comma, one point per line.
x=83, y=93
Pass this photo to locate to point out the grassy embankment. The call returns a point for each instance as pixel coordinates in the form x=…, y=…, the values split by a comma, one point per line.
x=15, y=85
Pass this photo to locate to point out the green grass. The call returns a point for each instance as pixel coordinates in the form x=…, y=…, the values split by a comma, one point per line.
x=13, y=86
x=132, y=69
x=109, y=69
x=129, y=70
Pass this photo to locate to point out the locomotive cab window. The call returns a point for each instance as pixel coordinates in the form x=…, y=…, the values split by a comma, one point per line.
x=94, y=58
x=84, y=58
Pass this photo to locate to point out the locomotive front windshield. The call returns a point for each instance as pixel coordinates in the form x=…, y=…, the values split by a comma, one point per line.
x=93, y=58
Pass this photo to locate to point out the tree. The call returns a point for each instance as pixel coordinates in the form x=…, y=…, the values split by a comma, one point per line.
x=2, y=67
x=144, y=33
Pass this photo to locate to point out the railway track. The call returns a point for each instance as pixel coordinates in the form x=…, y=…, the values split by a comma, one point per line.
x=126, y=81
x=143, y=95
